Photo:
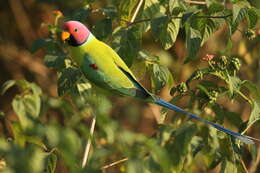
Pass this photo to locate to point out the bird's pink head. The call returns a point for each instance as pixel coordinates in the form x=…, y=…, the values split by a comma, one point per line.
x=75, y=33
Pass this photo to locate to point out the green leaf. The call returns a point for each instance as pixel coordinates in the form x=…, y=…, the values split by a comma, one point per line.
x=37, y=141
x=176, y=7
x=103, y=29
x=254, y=91
x=252, y=17
x=255, y=113
x=125, y=11
x=188, y=14
x=180, y=145
x=220, y=113
x=209, y=27
x=51, y=163
x=39, y=43
x=139, y=69
x=28, y=105
x=67, y=80
x=18, y=159
x=166, y=30
x=240, y=12
x=145, y=55
x=159, y=156
x=216, y=160
x=215, y=8
x=160, y=77
x=234, y=84
x=127, y=42
x=135, y=166
x=193, y=42
x=109, y=11
x=227, y=167
x=197, y=144
x=18, y=133
x=55, y=61
x=152, y=9
x=7, y=85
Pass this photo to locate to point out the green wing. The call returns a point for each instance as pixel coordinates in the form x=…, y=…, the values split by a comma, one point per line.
x=141, y=91
x=111, y=72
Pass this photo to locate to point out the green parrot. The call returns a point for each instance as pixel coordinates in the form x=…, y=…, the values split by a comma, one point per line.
x=103, y=67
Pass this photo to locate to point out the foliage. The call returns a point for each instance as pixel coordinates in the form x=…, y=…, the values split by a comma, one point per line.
x=40, y=138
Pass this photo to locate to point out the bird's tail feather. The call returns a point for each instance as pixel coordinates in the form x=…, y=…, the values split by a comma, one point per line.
x=243, y=138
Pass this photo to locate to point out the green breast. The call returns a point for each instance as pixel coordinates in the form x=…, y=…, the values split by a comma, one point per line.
x=100, y=69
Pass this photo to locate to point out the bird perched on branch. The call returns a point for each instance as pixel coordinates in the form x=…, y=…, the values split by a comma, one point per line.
x=103, y=67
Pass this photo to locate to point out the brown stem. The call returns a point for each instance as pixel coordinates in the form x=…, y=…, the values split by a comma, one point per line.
x=178, y=17
x=196, y=2
x=88, y=145
x=136, y=11
x=114, y=163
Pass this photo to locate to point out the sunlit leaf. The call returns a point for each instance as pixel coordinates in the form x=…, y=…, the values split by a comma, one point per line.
x=255, y=113
x=152, y=9
x=67, y=80
x=234, y=84
x=125, y=10
x=252, y=17
x=240, y=12
x=166, y=30
x=227, y=166
x=254, y=91
x=55, y=61
x=127, y=42
x=18, y=133
x=215, y=8
x=27, y=106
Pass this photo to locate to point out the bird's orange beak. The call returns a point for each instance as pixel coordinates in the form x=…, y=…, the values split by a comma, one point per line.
x=65, y=35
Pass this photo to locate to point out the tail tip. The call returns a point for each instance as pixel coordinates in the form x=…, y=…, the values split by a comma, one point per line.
x=245, y=139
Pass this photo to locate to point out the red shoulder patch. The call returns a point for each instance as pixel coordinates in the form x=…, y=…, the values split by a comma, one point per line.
x=93, y=66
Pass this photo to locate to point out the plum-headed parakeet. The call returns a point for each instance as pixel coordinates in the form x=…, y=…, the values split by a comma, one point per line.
x=102, y=66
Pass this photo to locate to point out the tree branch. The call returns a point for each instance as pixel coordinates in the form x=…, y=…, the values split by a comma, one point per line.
x=178, y=17
x=87, y=149
x=136, y=11
x=195, y=2
x=114, y=163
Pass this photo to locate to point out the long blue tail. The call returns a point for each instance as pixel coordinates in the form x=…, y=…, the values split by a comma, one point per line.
x=243, y=138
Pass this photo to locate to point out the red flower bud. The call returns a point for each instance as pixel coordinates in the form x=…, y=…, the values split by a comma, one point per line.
x=208, y=57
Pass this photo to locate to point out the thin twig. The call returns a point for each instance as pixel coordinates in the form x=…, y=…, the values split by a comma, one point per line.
x=250, y=125
x=244, y=97
x=243, y=165
x=114, y=163
x=87, y=149
x=136, y=11
x=177, y=17
x=196, y=2
x=254, y=165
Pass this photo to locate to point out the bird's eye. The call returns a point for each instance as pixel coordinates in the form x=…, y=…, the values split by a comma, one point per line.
x=75, y=30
